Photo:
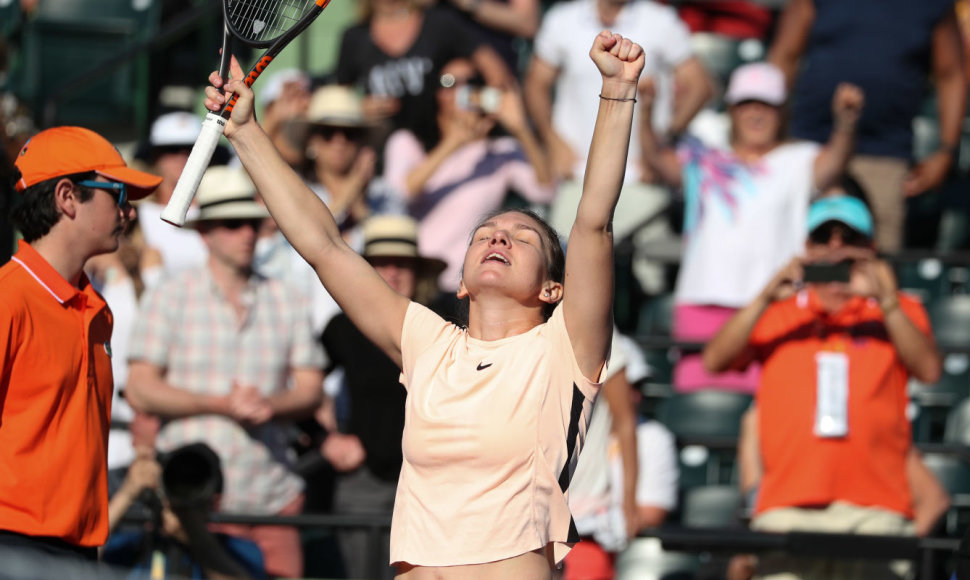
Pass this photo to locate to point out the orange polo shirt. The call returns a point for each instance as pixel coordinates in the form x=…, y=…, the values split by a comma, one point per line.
x=867, y=467
x=55, y=403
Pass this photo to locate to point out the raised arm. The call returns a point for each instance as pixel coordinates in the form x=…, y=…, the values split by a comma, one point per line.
x=308, y=224
x=830, y=164
x=693, y=88
x=950, y=83
x=657, y=154
x=516, y=17
x=539, y=82
x=791, y=37
x=588, y=287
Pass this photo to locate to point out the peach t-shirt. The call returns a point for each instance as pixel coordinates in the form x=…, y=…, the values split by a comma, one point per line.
x=492, y=433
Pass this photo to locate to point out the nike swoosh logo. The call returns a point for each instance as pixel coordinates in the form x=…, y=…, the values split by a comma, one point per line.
x=482, y=367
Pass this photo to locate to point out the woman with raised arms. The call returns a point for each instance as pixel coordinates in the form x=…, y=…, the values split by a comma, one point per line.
x=497, y=411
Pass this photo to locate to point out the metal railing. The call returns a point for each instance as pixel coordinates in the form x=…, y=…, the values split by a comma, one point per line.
x=923, y=552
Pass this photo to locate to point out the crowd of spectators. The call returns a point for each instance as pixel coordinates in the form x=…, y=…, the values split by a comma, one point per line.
x=438, y=112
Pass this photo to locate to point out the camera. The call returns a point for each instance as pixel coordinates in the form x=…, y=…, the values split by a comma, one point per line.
x=191, y=475
x=484, y=99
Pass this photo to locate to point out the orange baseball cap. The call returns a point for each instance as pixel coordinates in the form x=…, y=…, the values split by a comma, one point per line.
x=68, y=150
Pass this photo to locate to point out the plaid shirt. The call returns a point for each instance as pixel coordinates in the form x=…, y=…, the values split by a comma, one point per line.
x=188, y=327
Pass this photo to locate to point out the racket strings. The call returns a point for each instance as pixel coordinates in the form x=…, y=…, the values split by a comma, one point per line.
x=262, y=21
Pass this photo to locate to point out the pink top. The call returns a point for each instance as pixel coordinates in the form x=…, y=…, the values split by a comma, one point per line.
x=471, y=183
x=492, y=434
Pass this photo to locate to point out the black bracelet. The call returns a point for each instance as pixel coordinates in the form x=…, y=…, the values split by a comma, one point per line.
x=634, y=99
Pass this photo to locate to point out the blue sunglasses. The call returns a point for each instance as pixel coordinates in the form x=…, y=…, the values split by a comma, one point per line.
x=121, y=188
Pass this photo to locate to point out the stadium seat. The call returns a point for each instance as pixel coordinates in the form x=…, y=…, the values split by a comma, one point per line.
x=646, y=558
x=935, y=401
x=950, y=317
x=706, y=424
x=711, y=506
x=957, y=429
x=11, y=17
x=923, y=278
x=656, y=316
x=705, y=414
x=954, y=474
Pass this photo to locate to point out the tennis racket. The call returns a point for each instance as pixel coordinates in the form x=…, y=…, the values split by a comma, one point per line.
x=258, y=23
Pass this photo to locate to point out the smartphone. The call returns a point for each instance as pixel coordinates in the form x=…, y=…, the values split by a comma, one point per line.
x=827, y=272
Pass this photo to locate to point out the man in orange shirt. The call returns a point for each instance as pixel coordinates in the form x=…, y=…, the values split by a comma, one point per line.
x=838, y=345
x=73, y=189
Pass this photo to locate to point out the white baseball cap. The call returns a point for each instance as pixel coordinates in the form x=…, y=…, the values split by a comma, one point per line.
x=759, y=81
x=175, y=129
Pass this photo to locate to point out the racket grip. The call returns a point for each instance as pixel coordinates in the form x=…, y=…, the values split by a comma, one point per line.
x=198, y=162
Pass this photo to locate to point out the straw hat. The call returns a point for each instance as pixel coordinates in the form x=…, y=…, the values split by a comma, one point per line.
x=227, y=193
x=336, y=106
x=330, y=106
x=396, y=236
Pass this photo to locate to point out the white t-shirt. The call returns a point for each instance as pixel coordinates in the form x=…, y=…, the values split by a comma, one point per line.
x=658, y=473
x=563, y=41
x=742, y=222
x=181, y=248
x=121, y=298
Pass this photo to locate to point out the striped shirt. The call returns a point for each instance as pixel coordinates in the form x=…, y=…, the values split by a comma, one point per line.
x=187, y=326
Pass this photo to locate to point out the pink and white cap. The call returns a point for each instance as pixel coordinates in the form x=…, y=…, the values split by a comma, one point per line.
x=759, y=81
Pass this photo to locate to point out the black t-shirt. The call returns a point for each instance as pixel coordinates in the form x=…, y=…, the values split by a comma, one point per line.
x=506, y=45
x=412, y=77
x=884, y=47
x=375, y=394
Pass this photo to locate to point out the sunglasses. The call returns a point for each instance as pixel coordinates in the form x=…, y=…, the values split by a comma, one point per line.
x=117, y=190
x=850, y=237
x=239, y=223
x=349, y=133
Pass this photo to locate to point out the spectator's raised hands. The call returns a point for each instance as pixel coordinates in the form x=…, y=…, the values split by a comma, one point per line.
x=618, y=59
x=463, y=127
x=786, y=282
x=511, y=111
x=847, y=103
x=872, y=278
